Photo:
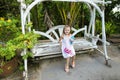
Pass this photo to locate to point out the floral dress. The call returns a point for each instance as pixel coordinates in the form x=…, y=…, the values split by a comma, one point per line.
x=67, y=47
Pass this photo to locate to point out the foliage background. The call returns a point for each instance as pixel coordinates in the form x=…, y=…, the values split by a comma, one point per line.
x=57, y=10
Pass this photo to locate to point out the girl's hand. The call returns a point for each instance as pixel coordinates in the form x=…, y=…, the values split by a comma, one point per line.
x=72, y=38
x=60, y=42
x=61, y=38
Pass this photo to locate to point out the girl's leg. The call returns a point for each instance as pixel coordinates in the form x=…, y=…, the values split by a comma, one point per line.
x=73, y=62
x=67, y=65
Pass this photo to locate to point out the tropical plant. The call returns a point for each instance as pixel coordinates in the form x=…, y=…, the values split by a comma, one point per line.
x=68, y=11
x=23, y=41
x=109, y=28
x=8, y=29
x=98, y=27
x=15, y=41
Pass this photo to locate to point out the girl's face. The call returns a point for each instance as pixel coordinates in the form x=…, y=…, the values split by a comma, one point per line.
x=67, y=30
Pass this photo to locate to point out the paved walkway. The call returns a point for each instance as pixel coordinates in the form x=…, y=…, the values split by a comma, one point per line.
x=88, y=67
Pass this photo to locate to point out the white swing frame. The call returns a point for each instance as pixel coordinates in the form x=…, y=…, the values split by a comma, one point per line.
x=25, y=14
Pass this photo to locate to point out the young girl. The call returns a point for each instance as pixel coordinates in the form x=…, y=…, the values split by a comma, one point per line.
x=67, y=47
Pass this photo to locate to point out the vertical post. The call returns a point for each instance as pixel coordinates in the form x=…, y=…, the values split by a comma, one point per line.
x=25, y=52
x=25, y=66
x=91, y=19
x=103, y=33
x=22, y=22
x=85, y=31
x=29, y=28
x=93, y=25
x=23, y=31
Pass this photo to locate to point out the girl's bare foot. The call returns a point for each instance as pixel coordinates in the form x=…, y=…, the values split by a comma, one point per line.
x=73, y=64
x=66, y=68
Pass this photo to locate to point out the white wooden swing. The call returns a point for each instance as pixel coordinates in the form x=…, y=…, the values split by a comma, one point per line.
x=51, y=48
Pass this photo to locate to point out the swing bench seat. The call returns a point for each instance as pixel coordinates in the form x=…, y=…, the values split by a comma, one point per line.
x=51, y=47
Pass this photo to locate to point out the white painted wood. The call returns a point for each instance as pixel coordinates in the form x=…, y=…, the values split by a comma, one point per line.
x=104, y=36
x=96, y=37
x=56, y=35
x=93, y=25
x=73, y=29
x=79, y=30
x=91, y=18
x=22, y=14
x=29, y=28
x=85, y=32
x=60, y=31
x=102, y=1
x=25, y=11
x=25, y=67
x=46, y=35
x=51, y=48
x=55, y=28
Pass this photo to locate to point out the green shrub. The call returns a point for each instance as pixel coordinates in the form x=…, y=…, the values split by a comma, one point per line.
x=8, y=29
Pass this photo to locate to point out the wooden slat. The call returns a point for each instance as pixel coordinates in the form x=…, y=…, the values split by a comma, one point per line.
x=51, y=48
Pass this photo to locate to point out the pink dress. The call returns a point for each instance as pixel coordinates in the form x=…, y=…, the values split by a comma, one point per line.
x=67, y=47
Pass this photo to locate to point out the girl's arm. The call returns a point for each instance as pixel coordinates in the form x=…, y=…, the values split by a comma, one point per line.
x=61, y=39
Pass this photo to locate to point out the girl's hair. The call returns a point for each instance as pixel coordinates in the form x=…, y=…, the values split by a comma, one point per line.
x=66, y=27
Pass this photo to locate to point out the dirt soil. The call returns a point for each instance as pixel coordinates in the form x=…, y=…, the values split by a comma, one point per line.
x=88, y=67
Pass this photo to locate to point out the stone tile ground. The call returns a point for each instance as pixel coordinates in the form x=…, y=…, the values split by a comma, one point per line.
x=88, y=67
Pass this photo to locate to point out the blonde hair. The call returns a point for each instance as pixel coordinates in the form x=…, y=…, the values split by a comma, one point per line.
x=66, y=26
